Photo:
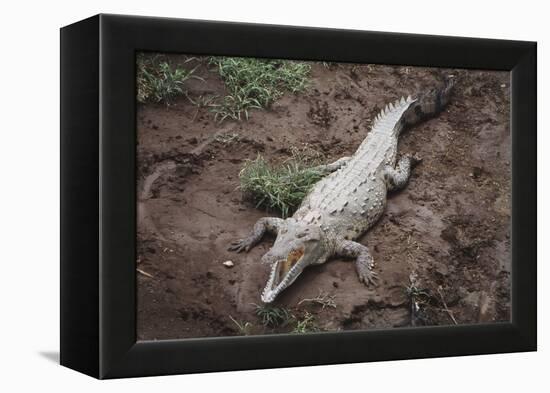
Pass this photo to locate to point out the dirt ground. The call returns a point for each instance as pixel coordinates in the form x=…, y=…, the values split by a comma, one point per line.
x=449, y=228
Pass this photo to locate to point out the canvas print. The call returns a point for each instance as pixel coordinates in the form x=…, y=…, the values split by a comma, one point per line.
x=288, y=196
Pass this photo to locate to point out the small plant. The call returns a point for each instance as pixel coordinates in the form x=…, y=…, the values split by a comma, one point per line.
x=234, y=106
x=273, y=316
x=158, y=81
x=279, y=187
x=244, y=327
x=255, y=83
x=418, y=299
x=227, y=139
x=202, y=101
x=329, y=64
x=415, y=293
x=306, y=324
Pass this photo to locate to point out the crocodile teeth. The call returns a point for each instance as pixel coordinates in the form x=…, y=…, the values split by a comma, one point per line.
x=390, y=105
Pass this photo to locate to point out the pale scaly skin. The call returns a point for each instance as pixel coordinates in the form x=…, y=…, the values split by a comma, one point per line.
x=346, y=203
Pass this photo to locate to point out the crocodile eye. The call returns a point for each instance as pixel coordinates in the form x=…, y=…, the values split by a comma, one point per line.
x=300, y=234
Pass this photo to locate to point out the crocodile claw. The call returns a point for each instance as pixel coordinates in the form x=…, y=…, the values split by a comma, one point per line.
x=240, y=245
x=368, y=277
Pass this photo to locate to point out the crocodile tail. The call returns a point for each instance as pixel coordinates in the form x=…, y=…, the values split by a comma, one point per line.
x=429, y=104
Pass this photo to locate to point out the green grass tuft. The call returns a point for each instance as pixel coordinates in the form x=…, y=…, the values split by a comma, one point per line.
x=158, y=81
x=256, y=83
x=278, y=187
x=243, y=326
x=273, y=316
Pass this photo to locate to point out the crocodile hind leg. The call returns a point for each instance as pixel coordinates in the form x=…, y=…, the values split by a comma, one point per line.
x=263, y=225
x=364, y=262
x=397, y=178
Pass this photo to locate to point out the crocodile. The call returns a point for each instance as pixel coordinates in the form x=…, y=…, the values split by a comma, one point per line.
x=347, y=202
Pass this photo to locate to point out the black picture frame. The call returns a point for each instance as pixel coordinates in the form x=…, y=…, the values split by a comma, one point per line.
x=98, y=197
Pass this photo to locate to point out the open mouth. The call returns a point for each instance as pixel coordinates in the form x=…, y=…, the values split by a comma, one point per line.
x=283, y=273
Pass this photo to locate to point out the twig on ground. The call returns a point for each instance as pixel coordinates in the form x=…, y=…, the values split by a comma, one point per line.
x=449, y=312
x=323, y=298
x=145, y=273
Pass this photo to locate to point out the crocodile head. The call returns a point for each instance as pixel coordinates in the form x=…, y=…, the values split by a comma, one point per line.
x=297, y=246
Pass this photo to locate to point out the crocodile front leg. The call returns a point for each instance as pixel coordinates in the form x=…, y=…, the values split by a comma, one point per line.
x=363, y=260
x=333, y=166
x=263, y=225
x=397, y=178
